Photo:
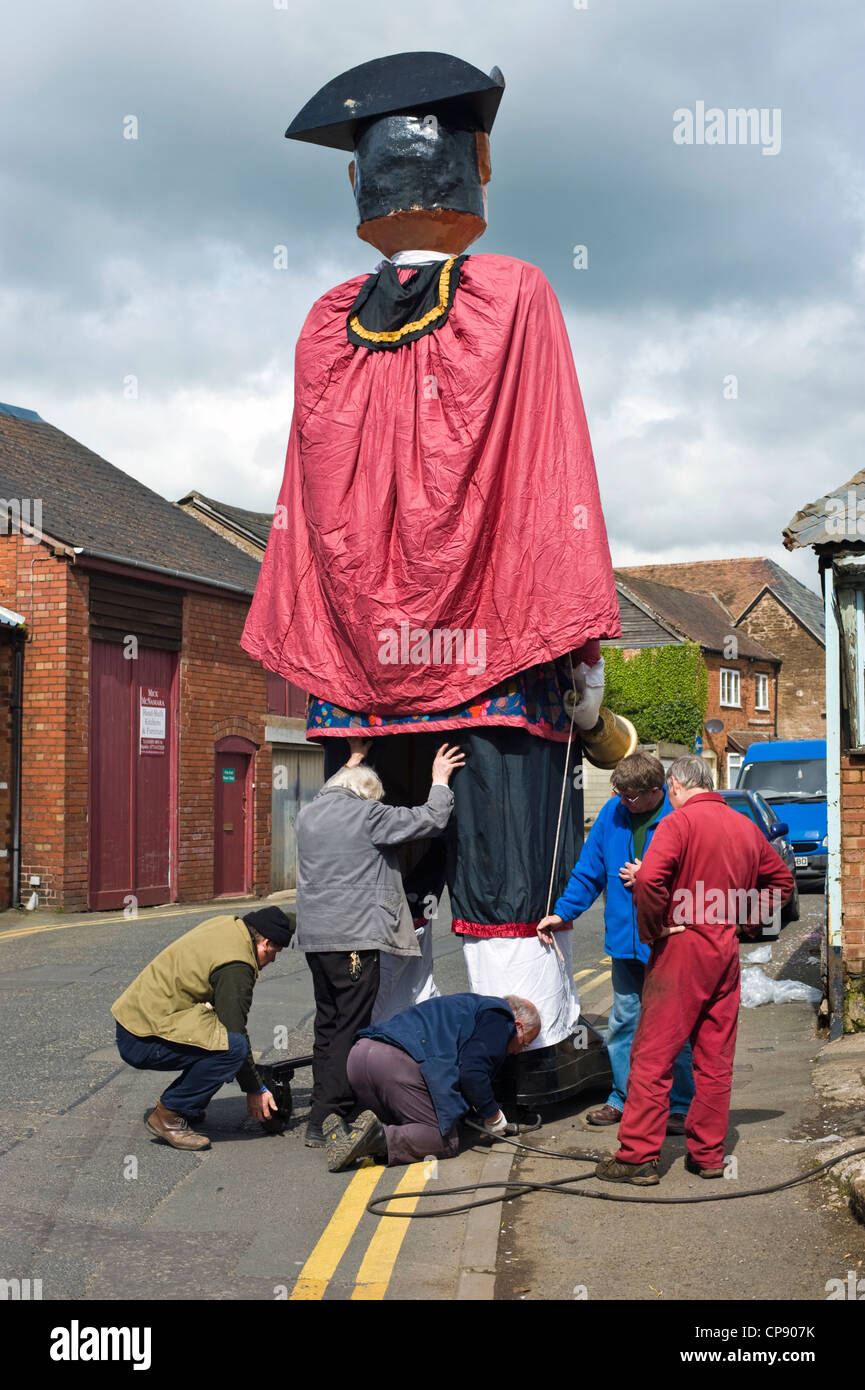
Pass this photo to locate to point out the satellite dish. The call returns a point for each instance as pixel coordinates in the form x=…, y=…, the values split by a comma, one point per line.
x=714, y=726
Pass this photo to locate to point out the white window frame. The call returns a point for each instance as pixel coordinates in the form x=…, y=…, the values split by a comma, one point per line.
x=734, y=763
x=761, y=676
x=731, y=671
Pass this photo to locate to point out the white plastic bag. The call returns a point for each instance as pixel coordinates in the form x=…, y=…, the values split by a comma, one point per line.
x=760, y=956
x=757, y=988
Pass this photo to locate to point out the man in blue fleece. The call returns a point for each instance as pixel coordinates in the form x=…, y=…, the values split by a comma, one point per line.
x=610, y=858
x=417, y=1074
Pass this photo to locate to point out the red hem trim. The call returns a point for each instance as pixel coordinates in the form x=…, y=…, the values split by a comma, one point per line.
x=440, y=726
x=511, y=929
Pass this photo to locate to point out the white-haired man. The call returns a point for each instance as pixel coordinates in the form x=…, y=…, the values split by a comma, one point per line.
x=351, y=906
x=419, y=1073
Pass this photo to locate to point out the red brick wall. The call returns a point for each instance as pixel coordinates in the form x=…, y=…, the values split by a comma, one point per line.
x=747, y=716
x=222, y=693
x=7, y=659
x=802, y=678
x=52, y=597
x=853, y=863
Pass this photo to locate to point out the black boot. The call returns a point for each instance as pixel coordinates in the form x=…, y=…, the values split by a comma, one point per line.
x=344, y=1145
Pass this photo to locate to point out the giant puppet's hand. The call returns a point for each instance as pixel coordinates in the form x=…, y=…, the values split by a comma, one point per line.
x=589, y=681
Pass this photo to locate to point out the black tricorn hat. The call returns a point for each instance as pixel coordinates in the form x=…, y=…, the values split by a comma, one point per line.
x=434, y=83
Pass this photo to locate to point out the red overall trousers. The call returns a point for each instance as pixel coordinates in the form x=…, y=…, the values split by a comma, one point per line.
x=691, y=991
x=699, y=863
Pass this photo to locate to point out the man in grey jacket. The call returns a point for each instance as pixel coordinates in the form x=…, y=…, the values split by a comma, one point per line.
x=351, y=906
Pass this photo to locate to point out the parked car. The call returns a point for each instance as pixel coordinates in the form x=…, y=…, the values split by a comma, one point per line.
x=753, y=805
x=790, y=775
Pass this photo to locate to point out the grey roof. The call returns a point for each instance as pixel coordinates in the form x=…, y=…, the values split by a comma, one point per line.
x=640, y=626
x=18, y=412
x=822, y=523
x=255, y=524
x=801, y=601
x=89, y=503
x=700, y=617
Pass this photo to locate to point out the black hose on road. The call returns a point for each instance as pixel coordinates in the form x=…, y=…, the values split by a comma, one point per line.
x=519, y=1188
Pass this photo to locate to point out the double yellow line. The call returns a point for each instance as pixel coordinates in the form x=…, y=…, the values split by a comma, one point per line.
x=376, y=1269
x=377, y=1265
x=600, y=977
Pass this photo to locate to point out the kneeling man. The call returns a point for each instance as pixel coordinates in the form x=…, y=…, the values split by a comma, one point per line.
x=187, y=1012
x=417, y=1074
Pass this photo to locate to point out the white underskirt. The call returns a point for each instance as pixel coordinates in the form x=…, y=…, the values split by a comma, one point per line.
x=405, y=980
x=502, y=965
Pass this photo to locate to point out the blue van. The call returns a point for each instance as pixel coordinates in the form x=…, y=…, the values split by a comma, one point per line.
x=791, y=776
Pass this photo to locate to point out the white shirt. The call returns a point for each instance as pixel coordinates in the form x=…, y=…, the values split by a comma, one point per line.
x=413, y=258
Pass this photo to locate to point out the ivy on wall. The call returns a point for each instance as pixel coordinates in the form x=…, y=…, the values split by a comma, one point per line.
x=662, y=690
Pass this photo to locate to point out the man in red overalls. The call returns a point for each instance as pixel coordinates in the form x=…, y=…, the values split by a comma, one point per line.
x=707, y=869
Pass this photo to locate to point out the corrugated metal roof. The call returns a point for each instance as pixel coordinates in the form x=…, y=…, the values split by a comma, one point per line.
x=9, y=618
x=832, y=520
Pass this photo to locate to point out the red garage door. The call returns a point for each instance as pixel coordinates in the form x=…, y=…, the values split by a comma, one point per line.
x=132, y=758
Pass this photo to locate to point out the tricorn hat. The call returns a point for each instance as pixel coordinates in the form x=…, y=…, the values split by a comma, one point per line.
x=426, y=83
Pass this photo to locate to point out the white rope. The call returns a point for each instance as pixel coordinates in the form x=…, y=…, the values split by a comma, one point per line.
x=562, y=804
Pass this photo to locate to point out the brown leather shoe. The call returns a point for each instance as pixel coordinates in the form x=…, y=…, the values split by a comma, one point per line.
x=676, y=1122
x=607, y=1115
x=174, y=1129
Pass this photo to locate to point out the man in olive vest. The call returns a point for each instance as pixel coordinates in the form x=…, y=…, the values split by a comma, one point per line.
x=187, y=1010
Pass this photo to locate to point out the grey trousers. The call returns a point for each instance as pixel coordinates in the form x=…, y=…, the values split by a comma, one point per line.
x=388, y=1082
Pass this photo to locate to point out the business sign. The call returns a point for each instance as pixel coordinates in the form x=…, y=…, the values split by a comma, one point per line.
x=229, y=774
x=153, y=702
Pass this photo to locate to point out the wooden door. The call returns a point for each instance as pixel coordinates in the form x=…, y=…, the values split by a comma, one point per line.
x=232, y=868
x=132, y=761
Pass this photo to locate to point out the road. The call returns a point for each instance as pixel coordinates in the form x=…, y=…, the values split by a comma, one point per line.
x=94, y=1208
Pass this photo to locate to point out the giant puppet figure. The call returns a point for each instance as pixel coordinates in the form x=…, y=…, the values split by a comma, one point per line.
x=438, y=563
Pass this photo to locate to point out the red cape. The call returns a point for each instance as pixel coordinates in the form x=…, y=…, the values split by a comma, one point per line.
x=448, y=484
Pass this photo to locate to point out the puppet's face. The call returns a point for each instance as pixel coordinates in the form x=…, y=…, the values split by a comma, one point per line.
x=420, y=184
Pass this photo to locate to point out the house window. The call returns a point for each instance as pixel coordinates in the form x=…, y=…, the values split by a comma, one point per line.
x=762, y=701
x=734, y=762
x=729, y=687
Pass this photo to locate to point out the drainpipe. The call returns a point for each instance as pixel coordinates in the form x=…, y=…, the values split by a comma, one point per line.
x=17, y=689
x=834, y=903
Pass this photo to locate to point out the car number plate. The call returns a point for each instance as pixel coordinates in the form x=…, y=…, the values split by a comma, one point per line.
x=801, y=861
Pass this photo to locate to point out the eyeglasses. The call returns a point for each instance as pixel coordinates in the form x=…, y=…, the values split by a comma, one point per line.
x=631, y=799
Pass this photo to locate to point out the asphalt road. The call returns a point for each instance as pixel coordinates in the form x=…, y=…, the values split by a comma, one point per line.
x=96, y=1209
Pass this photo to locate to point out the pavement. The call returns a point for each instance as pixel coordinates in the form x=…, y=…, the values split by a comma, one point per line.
x=94, y=1208
x=786, y=1245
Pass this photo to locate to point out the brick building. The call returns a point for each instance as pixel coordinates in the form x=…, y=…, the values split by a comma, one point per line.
x=742, y=674
x=834, y=526
x=145, y=767
x=13, y=633
x=298, y=764
x=781, y=614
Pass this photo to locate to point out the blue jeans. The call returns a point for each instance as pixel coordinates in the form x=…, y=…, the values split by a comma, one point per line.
x=622, y=1024
x=202, y=1073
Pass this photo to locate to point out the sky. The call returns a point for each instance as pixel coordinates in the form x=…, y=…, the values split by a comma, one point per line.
x=716, y=315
